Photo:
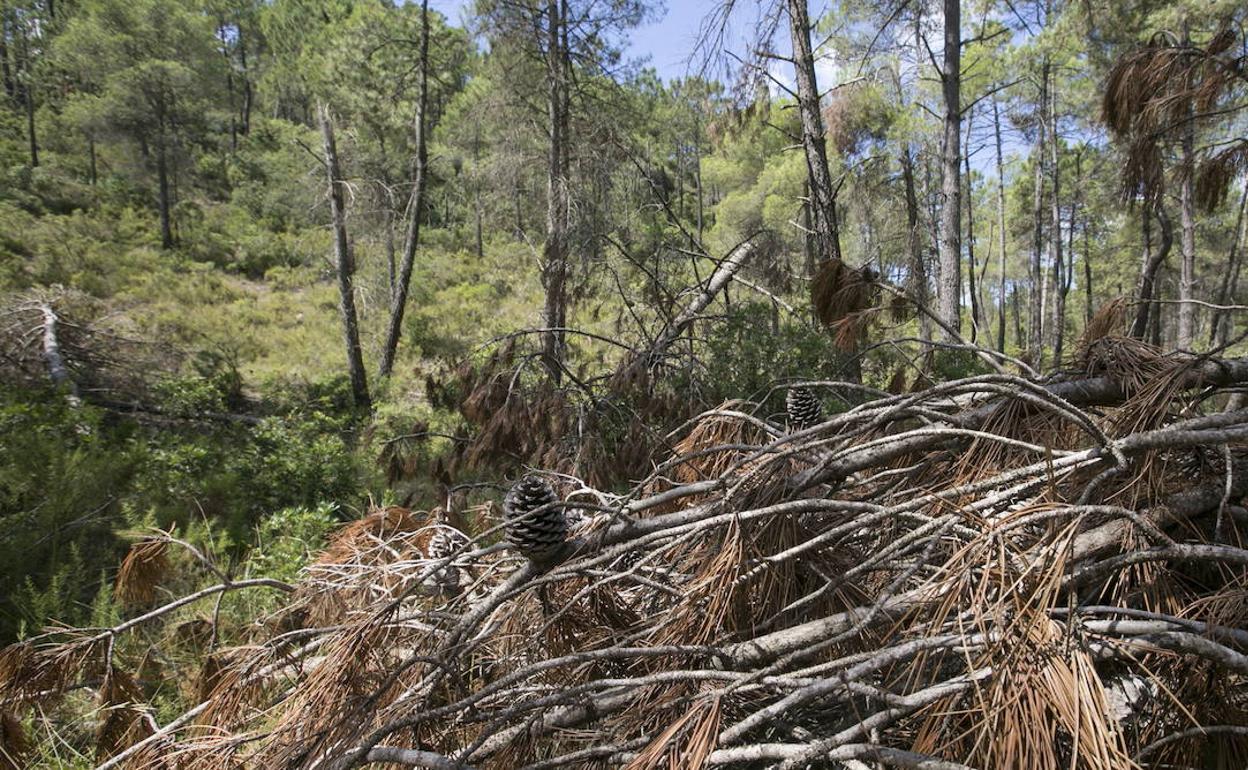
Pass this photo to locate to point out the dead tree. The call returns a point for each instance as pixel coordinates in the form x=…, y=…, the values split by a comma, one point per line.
x=822, y=204
x=344, y=262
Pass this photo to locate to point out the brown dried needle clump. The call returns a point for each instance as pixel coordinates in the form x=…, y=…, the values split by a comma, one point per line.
x=142, y=571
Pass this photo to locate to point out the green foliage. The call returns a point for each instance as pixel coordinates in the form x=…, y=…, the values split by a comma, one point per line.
x=454, y=291
x=69, y=477
x=955, y=364
x=754, y=348
x=63, y=475
x=286, y=540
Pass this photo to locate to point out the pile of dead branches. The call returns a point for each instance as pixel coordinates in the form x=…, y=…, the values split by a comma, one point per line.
x=71, y=342
x=993, y=572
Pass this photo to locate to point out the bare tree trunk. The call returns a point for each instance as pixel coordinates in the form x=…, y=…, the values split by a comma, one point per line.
x=163, y=202
x=996, y=124
x=1001, y=305
x=822, y=196
x=1187, y=221
x=808, y=233
x=245, y=115
x=718, y=282
x=918, y=271
x=554, y=256
x=1035, y=315
x=345, y=263
x=30, y=125
x=1020, y=337
x=1055, y=234
x=415, y=208
x=1220, y=326
x=697, y=174
x=947, y=294
x=970, y=234
x=1087, y=244
x=58, y=372
x=387, y=225
x=1147, y=285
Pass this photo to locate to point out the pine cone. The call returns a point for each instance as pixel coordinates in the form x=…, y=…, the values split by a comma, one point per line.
x=803, y=407
x=445, y=541
x=538, y=536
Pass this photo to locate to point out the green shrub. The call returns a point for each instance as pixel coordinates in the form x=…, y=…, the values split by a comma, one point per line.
x=64, y=475
x=746, y=354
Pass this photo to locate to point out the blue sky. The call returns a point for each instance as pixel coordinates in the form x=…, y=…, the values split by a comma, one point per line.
x=664, y=43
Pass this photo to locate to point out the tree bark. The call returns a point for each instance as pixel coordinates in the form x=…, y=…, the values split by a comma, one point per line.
x=1020, y=336
x=1088, y=309
x=948, y=299
x=918, y=270
x=1146, y=287
x=412, y=237
x=1055, y=233
x=25, y=83
x=554, y=253
x=808, y=233
x=1035, y=315
x=345, y=263
x=970, y=235
x=996, y=124
x=58, y=372
x=1187, y=245
x=822, y=201
x=476, y=184
x=697, y=171
x=718, y=282
x=32, y=138
x=163, y=196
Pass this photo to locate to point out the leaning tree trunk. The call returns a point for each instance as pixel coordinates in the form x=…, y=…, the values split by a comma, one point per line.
x=345, y=264
x=412, y=238
x=555, y=256
x=947, y=294
x=814, y=142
